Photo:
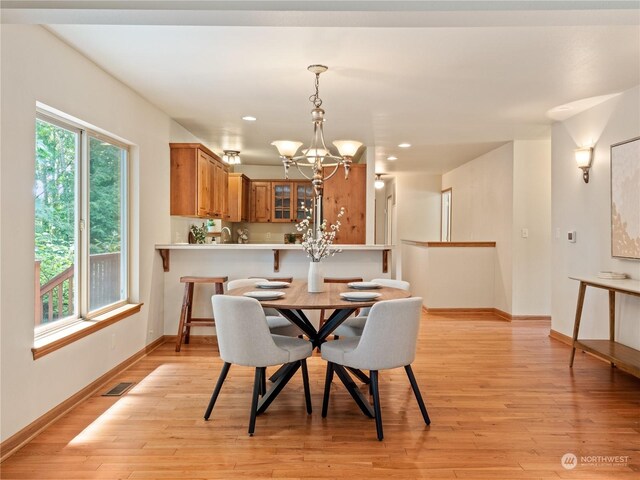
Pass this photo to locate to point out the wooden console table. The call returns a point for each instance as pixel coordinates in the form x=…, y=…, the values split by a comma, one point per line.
x=626, y=358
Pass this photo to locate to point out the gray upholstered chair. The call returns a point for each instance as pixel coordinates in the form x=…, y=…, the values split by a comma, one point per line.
x=352, y=327
x=388, y=341
x=244, y=339
x=278, y=325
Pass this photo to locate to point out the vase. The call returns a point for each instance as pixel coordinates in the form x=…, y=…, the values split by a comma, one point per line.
x=315, y=280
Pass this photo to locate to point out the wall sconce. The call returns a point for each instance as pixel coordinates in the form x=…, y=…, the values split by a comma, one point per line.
x=379, y=183
x=584, y=157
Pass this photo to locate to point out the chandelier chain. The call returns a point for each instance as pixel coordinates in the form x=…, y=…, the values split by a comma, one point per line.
x=315, y=98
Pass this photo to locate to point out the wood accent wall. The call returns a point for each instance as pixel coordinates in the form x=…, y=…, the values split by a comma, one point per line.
x=351, y=194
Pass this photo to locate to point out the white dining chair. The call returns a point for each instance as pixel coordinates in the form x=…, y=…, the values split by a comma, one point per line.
x=278, y=325
x=352, y=327
x=244, y=339
x=388, y=341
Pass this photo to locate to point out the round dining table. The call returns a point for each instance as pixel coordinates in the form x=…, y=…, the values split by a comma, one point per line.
x=296, y=299
x=292, y=304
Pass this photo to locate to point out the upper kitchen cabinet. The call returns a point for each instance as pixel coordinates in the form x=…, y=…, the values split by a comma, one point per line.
x=260, y=201
x=304, y=198
x=239, y=197
x=282, y=201
x=351, y=194
x=198, y=182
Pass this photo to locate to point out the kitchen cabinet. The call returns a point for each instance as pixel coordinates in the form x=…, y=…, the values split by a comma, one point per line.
x=278, y=201
x=282, y=202
x=260, y=201
x=220, y=191
x=239, y=197
x=304, y=198
x=351, y=194
x=198, y=182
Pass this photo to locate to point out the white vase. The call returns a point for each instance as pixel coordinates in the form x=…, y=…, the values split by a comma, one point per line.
x=315, y=281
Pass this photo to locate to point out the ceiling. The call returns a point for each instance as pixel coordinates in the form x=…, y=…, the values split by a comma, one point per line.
x=454, y=79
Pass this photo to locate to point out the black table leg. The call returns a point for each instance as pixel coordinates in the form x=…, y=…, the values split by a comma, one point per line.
x=360, y=375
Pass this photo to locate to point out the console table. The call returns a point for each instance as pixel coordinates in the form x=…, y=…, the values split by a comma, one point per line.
x=626, y=358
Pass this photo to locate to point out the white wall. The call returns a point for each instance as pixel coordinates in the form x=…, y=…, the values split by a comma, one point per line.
x=417, y=212
x=532, y=211
x=36, y=66
x=482, y=210
x=585, y=208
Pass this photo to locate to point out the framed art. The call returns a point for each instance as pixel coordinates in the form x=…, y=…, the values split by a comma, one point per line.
x=625, y=199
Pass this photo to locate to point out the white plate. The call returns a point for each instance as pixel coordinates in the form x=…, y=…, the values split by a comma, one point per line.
x=363, y=285
x=273, y=284
x=359, y=296
x=264, y=295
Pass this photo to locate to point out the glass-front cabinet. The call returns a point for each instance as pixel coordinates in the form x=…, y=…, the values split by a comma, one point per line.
x=282, y=197
x=304, y=199
x=289, y=200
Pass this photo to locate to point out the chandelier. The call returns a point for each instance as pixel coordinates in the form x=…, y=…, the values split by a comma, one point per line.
x=232, y=157
x=317, y=155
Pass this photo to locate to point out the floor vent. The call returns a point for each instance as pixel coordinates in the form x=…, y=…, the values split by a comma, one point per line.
x=119, y=389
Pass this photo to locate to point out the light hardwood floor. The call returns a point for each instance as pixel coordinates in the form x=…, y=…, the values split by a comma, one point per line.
x=502, y=400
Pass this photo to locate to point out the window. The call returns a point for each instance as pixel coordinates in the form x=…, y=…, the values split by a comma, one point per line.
x=80, y=191
x=445, y=216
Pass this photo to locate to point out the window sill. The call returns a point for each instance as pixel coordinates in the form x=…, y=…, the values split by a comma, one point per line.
x=79, y=330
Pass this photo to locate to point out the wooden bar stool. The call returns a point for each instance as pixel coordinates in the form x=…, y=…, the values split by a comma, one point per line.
x=186, y=320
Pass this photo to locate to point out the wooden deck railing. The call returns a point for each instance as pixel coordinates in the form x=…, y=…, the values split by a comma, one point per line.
x=54, y=301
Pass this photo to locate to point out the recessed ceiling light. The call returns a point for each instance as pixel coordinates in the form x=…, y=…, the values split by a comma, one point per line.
x=404, y=145
x=249, y=118
x=391, y=158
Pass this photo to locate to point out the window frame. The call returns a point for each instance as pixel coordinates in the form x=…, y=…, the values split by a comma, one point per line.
x=82, y=227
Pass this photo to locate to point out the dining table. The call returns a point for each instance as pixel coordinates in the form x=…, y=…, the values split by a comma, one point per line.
x=292, y=305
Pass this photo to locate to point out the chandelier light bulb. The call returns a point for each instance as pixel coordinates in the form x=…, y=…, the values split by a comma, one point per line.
x=379, y=183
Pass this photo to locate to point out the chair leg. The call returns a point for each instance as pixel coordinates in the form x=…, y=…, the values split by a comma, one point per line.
x=216, y=391
x=327, y=389
x=305, y=383
x=376, y=403
x=263, y=383
x=416, y=391
x=257, y=385
x=187, y=336
x=183, y=317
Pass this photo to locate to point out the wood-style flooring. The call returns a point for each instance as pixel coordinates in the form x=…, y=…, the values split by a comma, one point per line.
x=502, y=400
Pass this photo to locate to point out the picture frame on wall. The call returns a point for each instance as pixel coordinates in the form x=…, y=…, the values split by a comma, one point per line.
x=625, y=199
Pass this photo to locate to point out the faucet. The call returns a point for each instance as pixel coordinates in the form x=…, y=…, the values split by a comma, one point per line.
x=222, y=231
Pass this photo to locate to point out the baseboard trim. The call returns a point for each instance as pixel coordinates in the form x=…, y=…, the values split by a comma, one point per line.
x=194, y=339
x=20, y=438
x=561, y=337
x=531, y=317
x=502, y=315
x=460, y=311
x=484, y=312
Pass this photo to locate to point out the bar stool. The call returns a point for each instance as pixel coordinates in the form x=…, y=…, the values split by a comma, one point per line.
x=186, y=320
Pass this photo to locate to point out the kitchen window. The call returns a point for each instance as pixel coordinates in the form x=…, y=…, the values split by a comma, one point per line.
x=81, y=224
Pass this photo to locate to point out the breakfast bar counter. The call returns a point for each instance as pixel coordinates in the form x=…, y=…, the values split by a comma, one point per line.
x=255, y=260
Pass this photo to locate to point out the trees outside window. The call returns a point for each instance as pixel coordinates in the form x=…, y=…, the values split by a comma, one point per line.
x=80, y=223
